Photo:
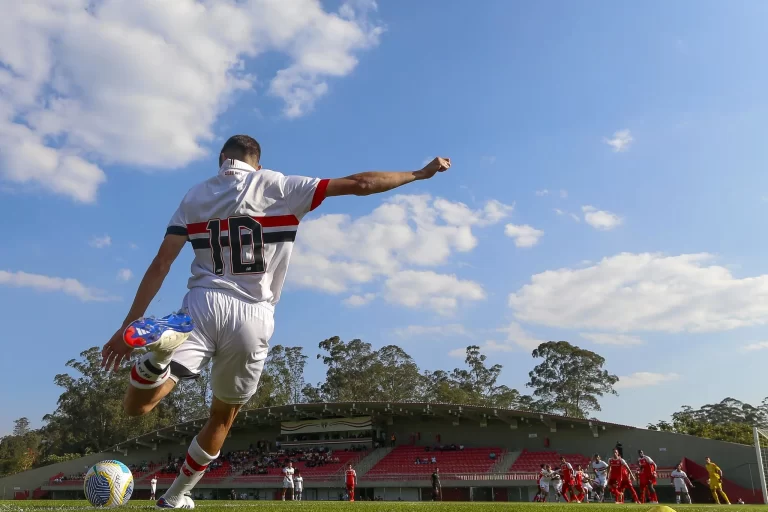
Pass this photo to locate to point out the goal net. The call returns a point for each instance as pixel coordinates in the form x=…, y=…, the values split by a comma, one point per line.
x=761, y=451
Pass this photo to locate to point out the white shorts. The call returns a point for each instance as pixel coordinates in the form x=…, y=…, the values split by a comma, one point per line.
x=234, y=334
x=558, y=484
x=602, y=480
x=587, y=487
x=681, y=487
x=544, y=486
x=287, y=484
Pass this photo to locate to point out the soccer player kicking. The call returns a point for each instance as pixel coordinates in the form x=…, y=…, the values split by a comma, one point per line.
x=716, y=481
x=680, y=479
x=600, y=467
x=350, y=479
x=242, y=224
x=647, y=477
x=620, y=478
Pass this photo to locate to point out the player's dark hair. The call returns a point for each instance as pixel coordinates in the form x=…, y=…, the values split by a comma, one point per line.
x=241, y=147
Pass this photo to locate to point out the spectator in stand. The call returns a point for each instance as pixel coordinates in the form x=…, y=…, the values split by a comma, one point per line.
x=393, y=440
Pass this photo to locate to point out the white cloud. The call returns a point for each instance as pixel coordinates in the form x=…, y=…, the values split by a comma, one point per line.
x=141, y=83
x=543, y=192
x=563, y=193
x=523, y=235
x=644, y=292
x=459, y=353
x=124, y=274
x=356, y=301
x=426, y=289
x=620, y=141
x=645, y=379
x=100, y=242
x=43, y=283
x=604, y=338
x=516, y=338
x=133, y=246
x=434, y=331
x=601, y=219
x=406, y=232
x=760, y=345
x=571, y=215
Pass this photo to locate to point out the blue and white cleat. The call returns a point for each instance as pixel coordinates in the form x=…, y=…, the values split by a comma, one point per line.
x=163, y=335
x=184, y=501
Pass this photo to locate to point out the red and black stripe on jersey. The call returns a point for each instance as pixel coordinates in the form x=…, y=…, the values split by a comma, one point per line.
x=272, y=236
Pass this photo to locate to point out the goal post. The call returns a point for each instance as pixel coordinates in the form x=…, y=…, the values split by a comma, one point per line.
x=761, y=451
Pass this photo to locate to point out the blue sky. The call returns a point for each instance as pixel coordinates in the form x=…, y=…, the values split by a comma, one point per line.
x=606, y=186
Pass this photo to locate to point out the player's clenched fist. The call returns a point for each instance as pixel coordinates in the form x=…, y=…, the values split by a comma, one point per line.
x=439, y=164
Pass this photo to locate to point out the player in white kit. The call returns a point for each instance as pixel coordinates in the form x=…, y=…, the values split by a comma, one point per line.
x=153, y=487
x=600, y=467
x=545, y=475
x=680, y=479
x=298, y=485
x=241, y=223
x=288, y=472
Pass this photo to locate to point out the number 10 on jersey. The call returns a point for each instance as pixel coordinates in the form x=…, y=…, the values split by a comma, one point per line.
x=245, y=239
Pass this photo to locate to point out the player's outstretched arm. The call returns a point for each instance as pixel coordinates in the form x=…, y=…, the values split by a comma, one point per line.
x=376, y=182
x=116, y=349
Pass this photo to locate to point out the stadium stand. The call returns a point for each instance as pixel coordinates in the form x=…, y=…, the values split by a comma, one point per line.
x=308, y=470
x=402, y=460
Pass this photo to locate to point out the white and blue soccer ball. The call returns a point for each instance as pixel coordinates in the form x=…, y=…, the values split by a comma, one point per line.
x=108, y=483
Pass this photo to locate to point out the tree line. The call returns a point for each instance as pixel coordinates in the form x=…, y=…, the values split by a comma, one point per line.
x=565, y=380
x=728, y=420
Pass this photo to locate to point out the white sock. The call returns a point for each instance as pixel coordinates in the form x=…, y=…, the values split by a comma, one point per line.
x=191, y=472
x=146, y=374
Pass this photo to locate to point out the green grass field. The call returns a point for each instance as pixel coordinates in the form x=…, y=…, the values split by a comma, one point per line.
x=378, y=506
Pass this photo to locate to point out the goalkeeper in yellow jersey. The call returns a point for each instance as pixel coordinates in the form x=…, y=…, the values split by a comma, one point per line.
x=716, y=481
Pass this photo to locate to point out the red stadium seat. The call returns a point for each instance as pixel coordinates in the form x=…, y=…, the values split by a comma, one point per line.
x=402, y=459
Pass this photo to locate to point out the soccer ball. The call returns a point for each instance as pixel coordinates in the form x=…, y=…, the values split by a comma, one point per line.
x=108, y=483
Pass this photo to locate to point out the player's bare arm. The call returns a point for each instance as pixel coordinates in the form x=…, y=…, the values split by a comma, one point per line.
x=116, y=350
x=376, y=182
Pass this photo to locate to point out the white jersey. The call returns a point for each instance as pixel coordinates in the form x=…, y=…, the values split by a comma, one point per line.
x=600, y=469
x=545, y=477
x=298, y=482
x=288, y=475
x=153, y=484
x=679, y=478
x=242, y=224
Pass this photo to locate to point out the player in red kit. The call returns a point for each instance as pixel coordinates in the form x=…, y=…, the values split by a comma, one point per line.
x=350, y=477
x=569, y=484
x=647, y=477
x=619, y=478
